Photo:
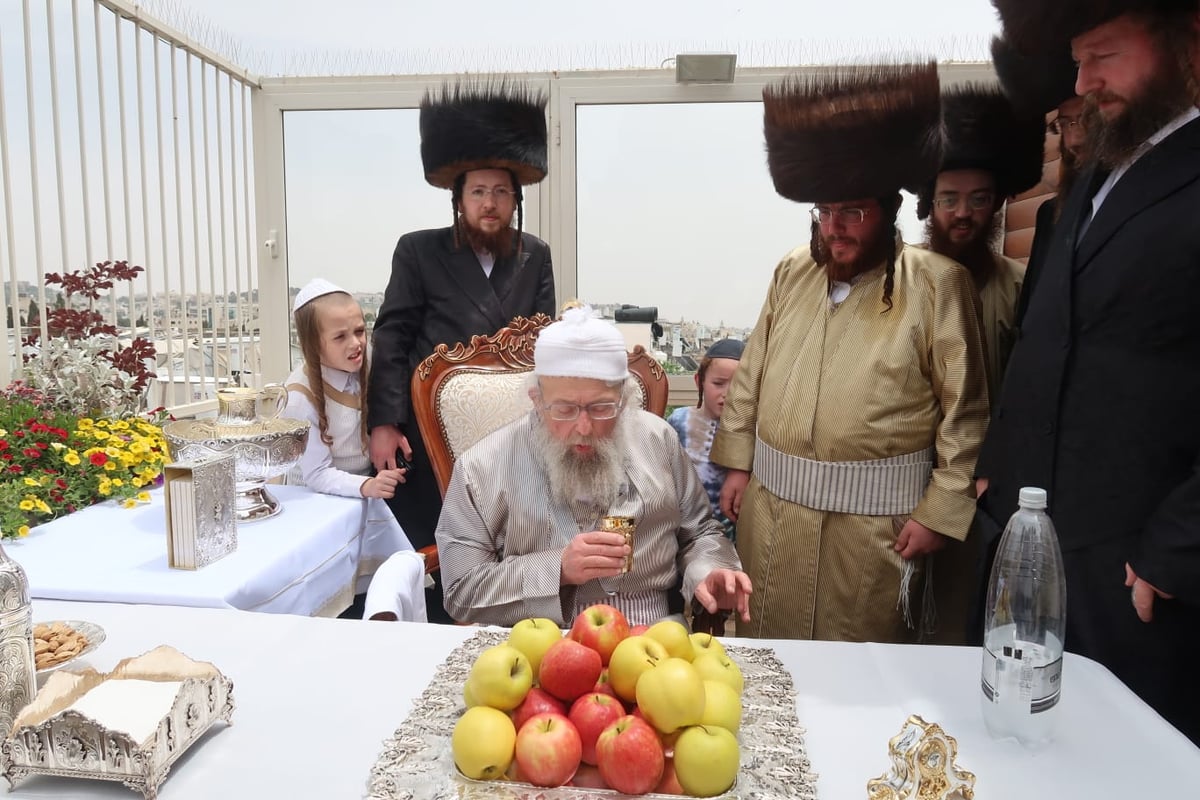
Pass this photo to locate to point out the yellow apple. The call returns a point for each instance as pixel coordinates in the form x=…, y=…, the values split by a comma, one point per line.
x=671, y=695
x=714, y=667
x=722, y=706
x=673, y=636
x=533, y=637
x=631, y=658
x=469, y=695
x=706, y=643
x=706, y=760
x=501, y=677
x=483, y=743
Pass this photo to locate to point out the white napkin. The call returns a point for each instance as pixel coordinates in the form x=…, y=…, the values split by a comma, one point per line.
x=399, y=587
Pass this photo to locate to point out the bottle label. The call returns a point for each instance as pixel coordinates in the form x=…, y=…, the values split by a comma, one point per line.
x=1017, y=673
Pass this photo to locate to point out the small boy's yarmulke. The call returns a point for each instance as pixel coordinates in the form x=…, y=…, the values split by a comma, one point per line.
x=726, y=348
x=317, y=287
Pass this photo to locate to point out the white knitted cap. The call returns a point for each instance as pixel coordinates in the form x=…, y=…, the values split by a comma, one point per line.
x=315, y=288
x=581, y=345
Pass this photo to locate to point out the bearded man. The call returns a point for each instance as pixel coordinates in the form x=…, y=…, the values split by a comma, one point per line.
x=518, y=536
x=992, y=153
x=1099, y=404
x=851, y=427
x=482, y=142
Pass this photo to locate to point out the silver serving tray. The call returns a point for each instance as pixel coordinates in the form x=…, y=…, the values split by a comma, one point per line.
x=416, y=763
x=49, y=739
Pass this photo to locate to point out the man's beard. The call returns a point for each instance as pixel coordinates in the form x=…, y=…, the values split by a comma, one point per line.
x=976, y=254
x=871, y=255
x=596, y=477
x=1164, y=97
x=499, y=244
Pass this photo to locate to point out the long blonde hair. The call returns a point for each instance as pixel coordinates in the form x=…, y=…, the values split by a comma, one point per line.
x=308, y=331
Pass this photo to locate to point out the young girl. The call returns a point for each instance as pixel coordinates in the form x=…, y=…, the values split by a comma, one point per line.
x=329, y=390
x=697, y=426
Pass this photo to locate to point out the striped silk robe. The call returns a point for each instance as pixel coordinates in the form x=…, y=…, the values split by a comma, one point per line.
x=501, y=535
x=853, y=383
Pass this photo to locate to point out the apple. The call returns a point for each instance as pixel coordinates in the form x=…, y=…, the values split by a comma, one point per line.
x=630, y=756
x=501, y=677
x=533, y=637
x=633, y=657
x=638, y=630
x=548, y=750
x=591, y=714
x=673, y=636
x=468, y=695
x=600, y=627
x=603, y=685
x=537, y=701
x=720, y=667
x=670, y=781
x=671, y=695
x=706, y=760
x=483, y=742
x=589, y=777
x=706, y=643
x=569, y=669
x=722, y=706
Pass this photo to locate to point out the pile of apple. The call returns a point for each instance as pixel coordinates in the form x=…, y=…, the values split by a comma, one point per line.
x=648, y=709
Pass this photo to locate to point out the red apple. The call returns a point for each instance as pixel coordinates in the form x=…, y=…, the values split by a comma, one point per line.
x=670, y=782
x=591, y=714
x=603, y=685
x=548, y=750
x=588, y=777
x=538, y=701
x=601, y=628
x=638, y=630
x=569, y=670
x=630, y=756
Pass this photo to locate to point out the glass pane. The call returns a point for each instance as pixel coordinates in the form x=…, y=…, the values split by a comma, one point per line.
x=676, y=210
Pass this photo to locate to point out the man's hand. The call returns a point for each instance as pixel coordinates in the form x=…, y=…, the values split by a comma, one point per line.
x=382, y=485
x=726, y=588
x=385, y=441
x=981, y=485
x=732, y=490
x=595, y=554
x=1143, y=594
x=917, y=540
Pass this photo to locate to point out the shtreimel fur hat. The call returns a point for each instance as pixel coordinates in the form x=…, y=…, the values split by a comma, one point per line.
x=1034, y=26
x=483, y=124
x=1035, y=83
x=853, y=132
x=984, y=131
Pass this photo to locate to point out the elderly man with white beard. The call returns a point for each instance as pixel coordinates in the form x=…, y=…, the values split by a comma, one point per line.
x=519, y=531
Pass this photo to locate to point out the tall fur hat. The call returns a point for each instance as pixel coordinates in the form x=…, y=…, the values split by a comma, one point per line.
x=853, y=132
x=1035, y=83
x=984, y=131
x=1037, y=25
x=483, y=124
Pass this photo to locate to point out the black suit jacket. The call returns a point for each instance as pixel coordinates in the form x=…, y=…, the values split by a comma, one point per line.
x=439, y=294
x=1101, y=401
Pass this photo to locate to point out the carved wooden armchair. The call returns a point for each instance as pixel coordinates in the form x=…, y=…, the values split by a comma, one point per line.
x=462, y=393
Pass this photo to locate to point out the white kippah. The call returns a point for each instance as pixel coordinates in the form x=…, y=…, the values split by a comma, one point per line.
x=315, y=288
x=581, y=345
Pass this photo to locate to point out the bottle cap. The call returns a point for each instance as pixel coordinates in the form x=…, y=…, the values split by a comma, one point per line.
x=1032, y=497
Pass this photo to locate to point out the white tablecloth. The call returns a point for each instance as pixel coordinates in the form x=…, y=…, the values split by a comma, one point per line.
x=309, y=559
x=317, y=697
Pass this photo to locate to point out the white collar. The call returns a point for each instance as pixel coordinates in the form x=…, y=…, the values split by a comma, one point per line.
x=340, y=379
x=1166, y=130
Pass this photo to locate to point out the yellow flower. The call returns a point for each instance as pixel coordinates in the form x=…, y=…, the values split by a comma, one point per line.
x=58, y=445
x=3, y=433
x=42, y=507
x=31, y=481
x=101, y=423
x=120, y=425
x=109, y=466
x=138, y=482
x=85, y=424
x=118, y=482
x=129, y=502
x=101, y=435
x=72, y=458
x=104, y=488
x=26, y=505
x=144, y=497
x=23, y=531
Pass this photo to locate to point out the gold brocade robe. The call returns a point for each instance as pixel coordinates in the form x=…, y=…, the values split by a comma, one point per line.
x=999, y=312
x=854, y=383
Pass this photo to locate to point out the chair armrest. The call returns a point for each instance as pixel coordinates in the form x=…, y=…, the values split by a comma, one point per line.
x=432, y=564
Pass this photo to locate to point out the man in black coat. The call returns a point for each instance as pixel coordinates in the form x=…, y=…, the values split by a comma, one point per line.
x=483, y=142
x=1101, y=402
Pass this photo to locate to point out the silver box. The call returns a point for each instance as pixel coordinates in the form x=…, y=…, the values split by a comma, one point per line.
x=213, y=479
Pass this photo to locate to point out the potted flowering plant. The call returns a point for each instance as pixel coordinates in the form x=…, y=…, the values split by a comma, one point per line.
x=71, y=436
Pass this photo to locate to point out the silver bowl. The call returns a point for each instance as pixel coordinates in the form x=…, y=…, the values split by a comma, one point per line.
x=262, y=450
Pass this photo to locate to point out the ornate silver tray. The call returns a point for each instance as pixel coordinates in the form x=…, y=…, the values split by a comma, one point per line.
x=416, y=763
x=51, y=738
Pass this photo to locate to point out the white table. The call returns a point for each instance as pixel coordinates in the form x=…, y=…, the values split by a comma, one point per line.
x=309, y=559
x=317, y=697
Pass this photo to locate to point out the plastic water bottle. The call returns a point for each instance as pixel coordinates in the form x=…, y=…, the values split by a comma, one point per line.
x=1024, y=626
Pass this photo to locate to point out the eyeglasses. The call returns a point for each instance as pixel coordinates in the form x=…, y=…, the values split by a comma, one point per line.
x=1061, y=123
x=500, y=193
x=846, y=216
x=976, y=201
x=562, y=411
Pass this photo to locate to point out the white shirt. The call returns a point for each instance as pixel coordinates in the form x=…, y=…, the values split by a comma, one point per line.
x=487, y=261
x=1145, y=147
x=316, y=465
